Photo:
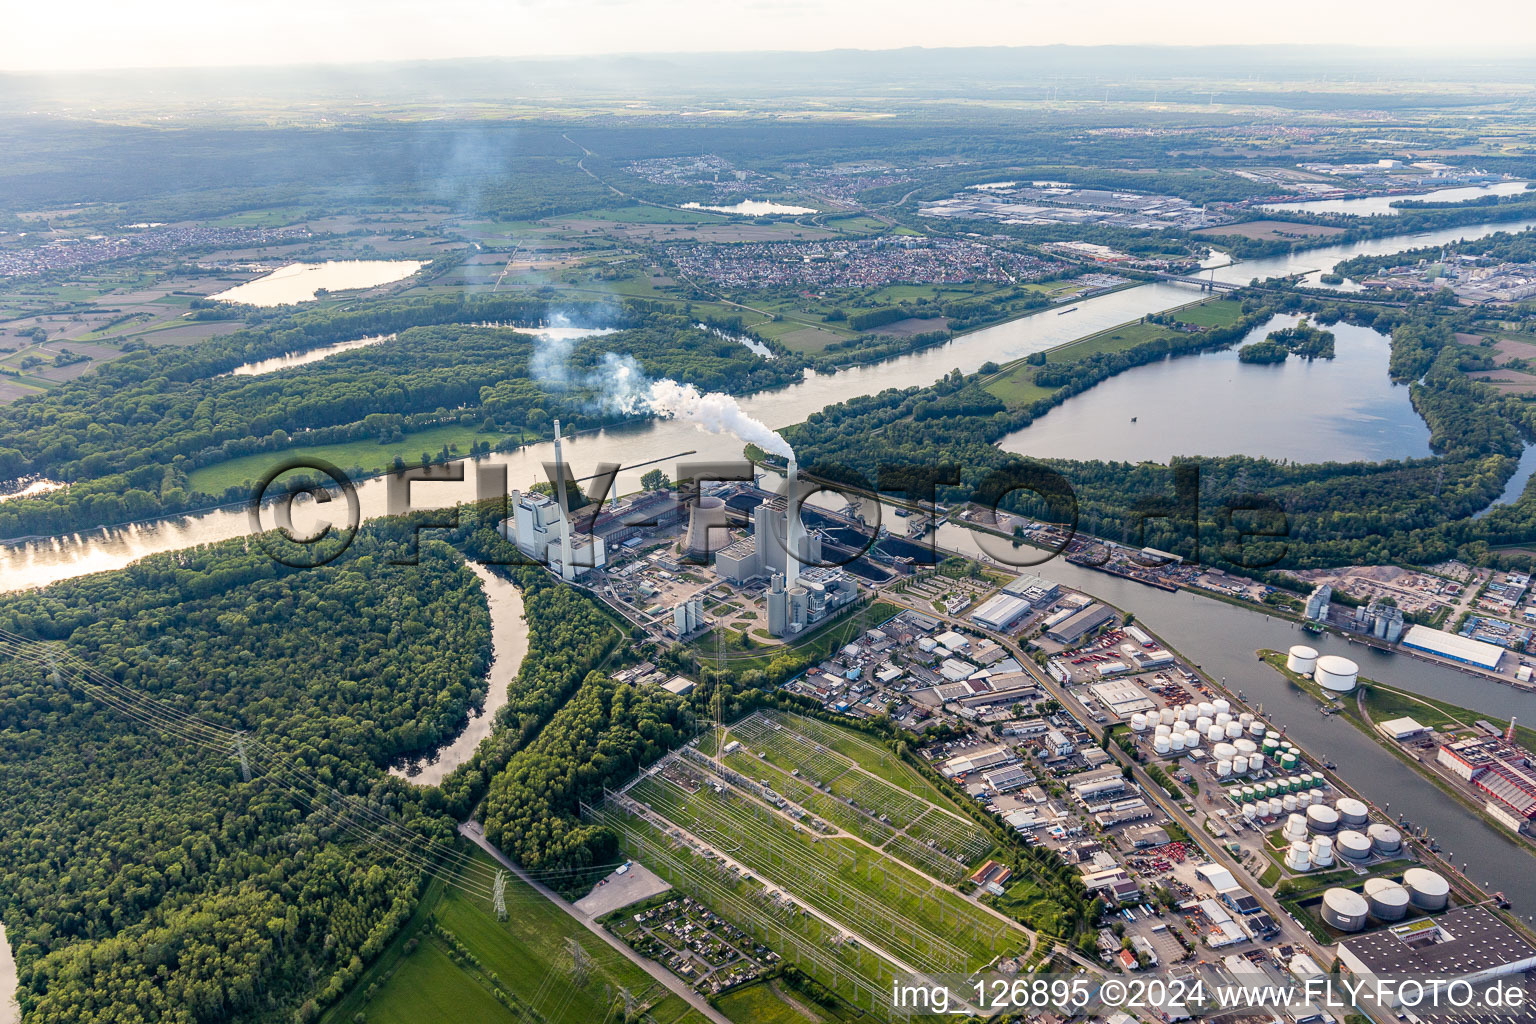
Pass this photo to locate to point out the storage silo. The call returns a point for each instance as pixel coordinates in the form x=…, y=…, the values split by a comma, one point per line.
x=1224, y=768
x=1222, y=705
x=1191, y=738
x=1233, y=730
x=1162, y=730
x=1256, y=730
x=1176, y=743
x=1206, y=708
x=1427, y=890
x=1225, y=750
x=1296, y=827
x=1352, y=813
x=1276, y=806
x=1385, y=840
x=1344, y=910
x=1250, y=811
x=1352, y=845
x=1138, y=722
x=1239, y=765
x=1245, y=746
x=1223, y=718
x=1336, y=674
x=1215, y=734
x=1245, y=719
x=1322, y=851
x=1322, y=820
x=1203, y=723
x=1299, y=857
x=1168, y=716
x=1163, y=744
x=1301, y=659
x=1387, y=900
x=1289, y=803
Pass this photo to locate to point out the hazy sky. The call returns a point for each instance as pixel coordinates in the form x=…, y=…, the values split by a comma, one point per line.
x=82, y=34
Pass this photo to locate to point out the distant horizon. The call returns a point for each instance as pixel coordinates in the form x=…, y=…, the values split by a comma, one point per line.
x=96, y=36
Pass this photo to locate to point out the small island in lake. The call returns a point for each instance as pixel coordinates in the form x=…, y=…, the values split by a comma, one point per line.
x=1303, y=340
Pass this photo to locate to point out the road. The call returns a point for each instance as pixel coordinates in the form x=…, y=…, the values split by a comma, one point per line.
x=475, y=833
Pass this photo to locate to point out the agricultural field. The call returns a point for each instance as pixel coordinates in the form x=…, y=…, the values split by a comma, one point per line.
x=804, y=830
x=454, y=961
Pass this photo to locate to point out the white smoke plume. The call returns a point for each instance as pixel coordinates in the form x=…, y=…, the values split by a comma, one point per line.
x=551, y=353
x=621, y=386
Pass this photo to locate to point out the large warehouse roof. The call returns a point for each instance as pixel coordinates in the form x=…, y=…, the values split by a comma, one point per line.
x=1450, y=645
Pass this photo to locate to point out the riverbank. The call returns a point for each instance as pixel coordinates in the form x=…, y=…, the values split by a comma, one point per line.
x=10, y=1012
x=509, y=645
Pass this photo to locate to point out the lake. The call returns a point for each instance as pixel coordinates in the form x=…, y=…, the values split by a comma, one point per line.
x=298, y=282
x=31, y=488
x=509, y=645
x=753, y=208
x=1342, y=409
x=1381, y=206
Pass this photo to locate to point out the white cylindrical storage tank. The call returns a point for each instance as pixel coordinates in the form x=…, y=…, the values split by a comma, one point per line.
x=1233, y=730
x=1385, y=840
x=1176, y=743
x=1245, y=746
x=1322, y=819
x=1322, y=851
x=1138, y=722
x=1276, y=806
x=1206, y=708
x=1162, y=730
x=1187, y=713
x=1352, y=813
x=1256, y=730
x=1203, y=723
x=1224, y=768
x=1352, y=845
x=1162, y=744
x=1223, y=717
x=1250, y=811
x=1388, y=900
x=1168, y=716
x=1191, y=738
x=1344, y=910
x=1255, y=762
x=1225, y=750
x=1245, y=719
x=1299, y=857
x=1222, y=705
x=1336, y=674
x=1289, y=803
x=1240, y=765
x=1427, y=890
x=1301, y=659
x=1296, y=828
x=1215, y=733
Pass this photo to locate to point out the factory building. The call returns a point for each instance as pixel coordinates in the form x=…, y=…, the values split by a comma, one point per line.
x=1074, y=627
x=688, y=617
x=1380, y=620
x=1465, y=944
x=1001, y=612
x=1456, y=648
x=1498, y=768
x=1037, y=590
x=1317, y=602
x=541, y=528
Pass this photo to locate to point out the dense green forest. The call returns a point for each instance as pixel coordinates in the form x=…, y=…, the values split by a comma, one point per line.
x=140, y=877
x=1416, y=510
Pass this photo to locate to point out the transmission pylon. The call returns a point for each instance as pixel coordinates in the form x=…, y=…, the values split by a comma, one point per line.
x=581, y=963
x=245, y=763
x=499, y=896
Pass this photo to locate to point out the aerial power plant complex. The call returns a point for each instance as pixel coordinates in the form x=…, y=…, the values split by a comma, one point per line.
x=541, y=528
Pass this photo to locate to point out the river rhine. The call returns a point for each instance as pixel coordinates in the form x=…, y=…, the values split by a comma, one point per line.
x=1220, y=637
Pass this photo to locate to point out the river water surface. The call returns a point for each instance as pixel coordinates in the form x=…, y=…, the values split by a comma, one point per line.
x=1381, y=206
x=10, y=1013
x=509, y=645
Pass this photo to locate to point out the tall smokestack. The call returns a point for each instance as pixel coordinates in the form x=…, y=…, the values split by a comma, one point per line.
x=792, y=527
x=567, y=570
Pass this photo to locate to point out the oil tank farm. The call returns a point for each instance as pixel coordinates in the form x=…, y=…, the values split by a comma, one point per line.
x=1352, y=813
x=1352, y=845
x=1386, y=841
x=1322, y=820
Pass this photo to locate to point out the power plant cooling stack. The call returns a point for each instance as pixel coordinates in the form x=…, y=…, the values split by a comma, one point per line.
x=706, y=515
